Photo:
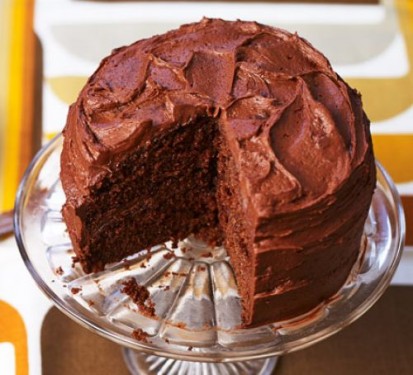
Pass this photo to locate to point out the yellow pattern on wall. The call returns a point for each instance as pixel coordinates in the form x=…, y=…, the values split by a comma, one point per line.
x=384, y=98
x=18, y=13
x=4, y=69
x=395, y=152
x=67, y=88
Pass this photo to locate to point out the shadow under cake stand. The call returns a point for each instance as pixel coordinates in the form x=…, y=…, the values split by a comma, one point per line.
x=193, y=287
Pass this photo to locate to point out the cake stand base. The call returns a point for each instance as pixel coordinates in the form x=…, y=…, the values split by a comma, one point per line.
x=192, y=287
x=145, y=364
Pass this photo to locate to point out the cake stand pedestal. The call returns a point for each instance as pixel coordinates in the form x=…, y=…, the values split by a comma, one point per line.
x=198, y=310
x=147, y=364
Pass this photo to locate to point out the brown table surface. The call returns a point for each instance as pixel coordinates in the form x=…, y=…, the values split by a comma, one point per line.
x=379, y=343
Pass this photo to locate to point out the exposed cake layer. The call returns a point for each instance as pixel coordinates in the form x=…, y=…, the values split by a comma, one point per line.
x=238, y=236
x=160, y=192
x=296, y=156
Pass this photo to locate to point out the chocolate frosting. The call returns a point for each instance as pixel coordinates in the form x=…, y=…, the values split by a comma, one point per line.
x=296, y=131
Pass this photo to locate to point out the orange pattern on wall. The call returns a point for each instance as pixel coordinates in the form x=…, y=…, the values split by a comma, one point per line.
x=13, y=330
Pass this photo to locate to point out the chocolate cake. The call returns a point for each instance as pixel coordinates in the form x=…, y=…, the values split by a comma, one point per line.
x=236, y=132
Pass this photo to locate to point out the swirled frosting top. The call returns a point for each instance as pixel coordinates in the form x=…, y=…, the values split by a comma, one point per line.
x=295, y=129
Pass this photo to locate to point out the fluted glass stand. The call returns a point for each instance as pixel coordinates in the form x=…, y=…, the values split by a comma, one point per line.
x=196, y=329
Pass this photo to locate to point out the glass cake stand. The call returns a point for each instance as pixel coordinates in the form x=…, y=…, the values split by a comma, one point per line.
x=197, y=328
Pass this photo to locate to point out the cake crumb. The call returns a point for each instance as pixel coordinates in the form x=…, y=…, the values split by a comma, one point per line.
x=140, y=335
x=59, y=271
x=190, y=348
x=139, y=295
x=167, y=341
x=169, y=255
x=75, y=260
x=201, y=268
x=75, y=290
x=207, y=254
x=164, y=287
x=183, y=274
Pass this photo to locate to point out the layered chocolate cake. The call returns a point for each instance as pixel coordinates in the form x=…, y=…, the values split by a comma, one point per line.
x=236, y=132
